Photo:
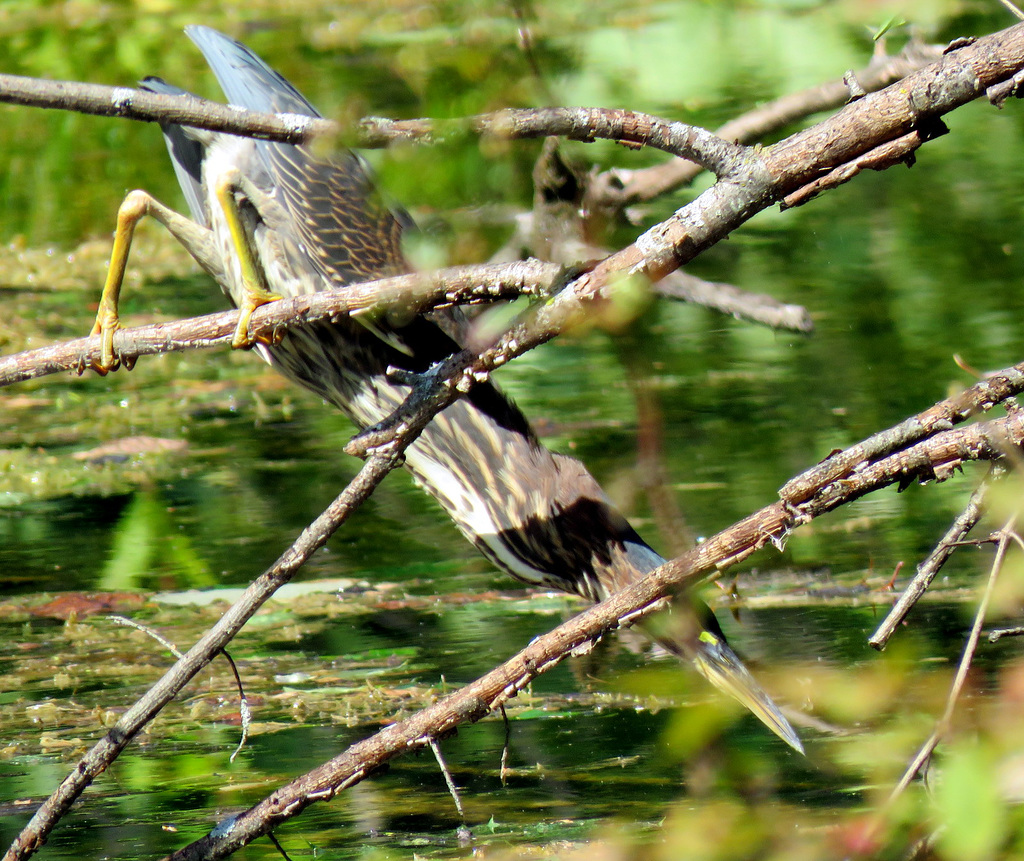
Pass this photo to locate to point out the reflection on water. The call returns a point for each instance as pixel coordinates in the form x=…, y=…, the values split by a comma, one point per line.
x=602, y=737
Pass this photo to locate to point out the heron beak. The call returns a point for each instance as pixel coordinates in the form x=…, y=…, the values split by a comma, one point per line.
x=720, y=665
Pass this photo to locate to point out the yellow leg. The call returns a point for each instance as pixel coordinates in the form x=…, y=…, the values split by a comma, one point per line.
x=134, y=207
x=196, y=239
x=254, y=284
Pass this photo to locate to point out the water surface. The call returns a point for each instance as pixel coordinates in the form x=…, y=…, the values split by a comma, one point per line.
x=900, y=270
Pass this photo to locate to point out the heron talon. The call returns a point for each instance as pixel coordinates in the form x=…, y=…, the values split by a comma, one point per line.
x=242, y=339
x=102, y=366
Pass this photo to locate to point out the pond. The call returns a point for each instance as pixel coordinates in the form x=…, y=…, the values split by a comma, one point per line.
x=155, y=494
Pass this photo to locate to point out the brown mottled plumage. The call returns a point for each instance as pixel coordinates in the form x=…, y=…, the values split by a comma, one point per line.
x=313, y=223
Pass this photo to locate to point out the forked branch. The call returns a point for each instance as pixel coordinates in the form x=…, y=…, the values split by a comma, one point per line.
x=927, y=460
x=753, y=180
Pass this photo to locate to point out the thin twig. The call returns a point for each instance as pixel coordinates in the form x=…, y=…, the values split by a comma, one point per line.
x=735, y=302
x=244, y=712
x=278, y=846
x=931, y=566
x=503, y=769
x=1014, y=9
x=453, y=790
x=942, y=726
x=995, y=635
x=149, y=632
x=104, y=752
x=243, y=701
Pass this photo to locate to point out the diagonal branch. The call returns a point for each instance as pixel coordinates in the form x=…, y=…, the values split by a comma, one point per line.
x=104, y=752
x=751, y=182
x=926, y=571
x=981, y=397
x=925, y=461
x=622, y=188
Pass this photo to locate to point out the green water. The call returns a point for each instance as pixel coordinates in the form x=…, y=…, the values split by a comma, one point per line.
x=900, y=270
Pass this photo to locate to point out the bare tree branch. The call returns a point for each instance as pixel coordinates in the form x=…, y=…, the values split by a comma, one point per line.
x=582, y=124
x=132, y=104
x=621, y=188
x=926, y=571
x=930, y=459
x=459, y=285
x=741, y=304
x=749, y=182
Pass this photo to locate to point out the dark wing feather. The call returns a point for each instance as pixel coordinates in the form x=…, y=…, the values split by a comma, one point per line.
x=247, y=81
x=186, y=154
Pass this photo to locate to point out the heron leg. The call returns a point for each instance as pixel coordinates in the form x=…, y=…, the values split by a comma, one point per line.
x=196, y=239
x=255, y=291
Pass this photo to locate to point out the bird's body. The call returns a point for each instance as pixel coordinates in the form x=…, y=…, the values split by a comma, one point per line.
x=311, y=223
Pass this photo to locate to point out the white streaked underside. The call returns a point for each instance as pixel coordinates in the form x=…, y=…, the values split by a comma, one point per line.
x=504, y=491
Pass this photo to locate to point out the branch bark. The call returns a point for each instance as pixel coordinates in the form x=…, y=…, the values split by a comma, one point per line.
x=931, y=459
x=749, y=182
x=622, y=188
x=459, y=285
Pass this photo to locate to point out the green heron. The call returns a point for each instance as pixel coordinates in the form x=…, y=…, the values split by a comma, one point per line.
x=273, y=219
